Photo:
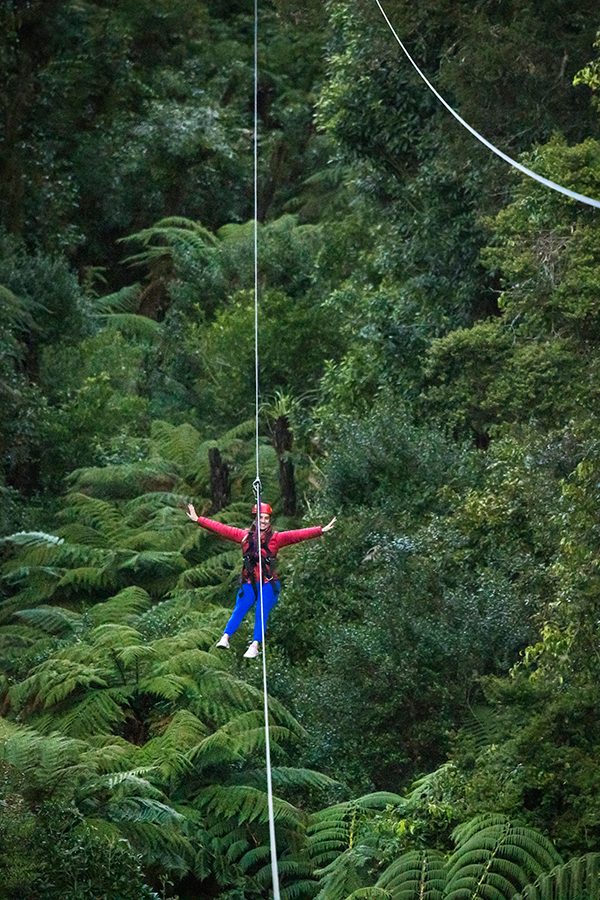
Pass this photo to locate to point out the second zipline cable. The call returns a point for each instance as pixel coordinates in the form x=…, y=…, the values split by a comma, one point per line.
x=574, y=195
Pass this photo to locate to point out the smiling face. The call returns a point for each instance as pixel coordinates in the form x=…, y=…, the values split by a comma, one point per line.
x=264, y=521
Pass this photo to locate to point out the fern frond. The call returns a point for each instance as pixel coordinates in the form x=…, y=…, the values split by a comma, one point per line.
x=243, y=431
x=146, y=539
x=172, y=227
x=129, y=323
x=217, y=568
x=373, y=892
x=182, y=656
x=125, y=300
x=98, y=713
x=177, y=443
x=51, y=619
x=304, y=889
x=496, y=858
x=153, y=563
x=42, y=587
x=115, y=636
x=18, y=312
x=233, y=232
x=286, y=777
x=94, y=511
x=379, y=800
x=107, y=753
x=79, y=533
x=223, y=746
x=48, y=760
x=188, y=225
x=166, y=687
x=131, y=781
x=53, y=681
x=418, y=874
x=166, y=847
x=223, y=693
x=146, y=506
x=118, y=482
x=346, y=874
x=254, y=857
x=31, y=539
x=142, y=810
x=169, y=751
x=245, y=804
x=88, y=578
x=482, y=727
x=578, y=879
x=329, y=831
x=123, y=608
x=14, y=637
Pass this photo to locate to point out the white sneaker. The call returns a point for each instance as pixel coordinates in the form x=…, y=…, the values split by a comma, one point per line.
x=223, y=643
x=252, y=652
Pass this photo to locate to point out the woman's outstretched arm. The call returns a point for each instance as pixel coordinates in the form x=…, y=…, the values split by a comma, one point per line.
x=228, y=532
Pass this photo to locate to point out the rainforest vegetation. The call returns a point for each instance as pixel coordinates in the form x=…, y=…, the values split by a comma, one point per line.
x=429, y=373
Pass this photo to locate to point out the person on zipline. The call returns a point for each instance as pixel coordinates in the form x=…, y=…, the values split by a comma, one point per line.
x=270, y=543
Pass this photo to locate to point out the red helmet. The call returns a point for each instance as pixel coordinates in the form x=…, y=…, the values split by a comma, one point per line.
x=265, y=509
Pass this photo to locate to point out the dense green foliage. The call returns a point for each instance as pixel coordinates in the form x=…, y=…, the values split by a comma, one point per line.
x=430, y=360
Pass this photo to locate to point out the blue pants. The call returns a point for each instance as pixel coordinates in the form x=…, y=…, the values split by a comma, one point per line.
x=245, y=600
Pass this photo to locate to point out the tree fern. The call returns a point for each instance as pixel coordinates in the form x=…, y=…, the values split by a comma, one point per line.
x=172, y=229
x=417, y=875
x=346, y=874
x=372, y=893
x=97, y=512
x=495, y=859
x=100, y=712
x=300, y=889
x=578, y=879
x=169, y=751
x=177, y=443
x=140, y=327
x=243, y=803
x=219, y=567
x=125, y=300
x=120, y=482
x=16, y=637
x=17, y=313
x=51, y=619
x=234, y=231
x=292, y=778
x=31, y=539
x=29, y=751
x=125, y=606
x=333, y=830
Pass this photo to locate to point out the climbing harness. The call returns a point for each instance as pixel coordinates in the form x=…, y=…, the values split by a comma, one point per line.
x=250, y=556
x=258, y=488
x=582, y=198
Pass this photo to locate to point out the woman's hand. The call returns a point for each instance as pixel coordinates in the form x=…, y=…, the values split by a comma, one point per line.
x=327, y=527
x=191, y=513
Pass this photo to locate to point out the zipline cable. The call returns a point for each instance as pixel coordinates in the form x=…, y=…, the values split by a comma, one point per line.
x=258, y=487
x=582, y=198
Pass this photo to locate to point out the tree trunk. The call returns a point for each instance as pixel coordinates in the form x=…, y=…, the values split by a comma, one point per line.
x=283, y=441
x=220, y=488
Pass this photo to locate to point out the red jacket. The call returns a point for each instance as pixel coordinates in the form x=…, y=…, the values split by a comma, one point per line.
x=277, y=540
